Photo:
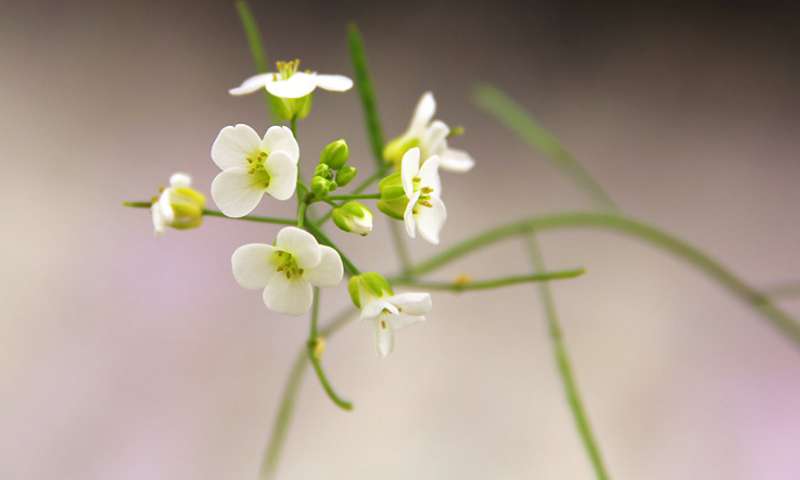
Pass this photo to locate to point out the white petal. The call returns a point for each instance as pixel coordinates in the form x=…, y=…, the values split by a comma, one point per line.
x=234, y=192
x=430, y=220
x=301, y=244
x=180, y=180
x=408, y=216
x=429, y=175
x=279, y=138
x=334, y=83
x=165, y=206
x=412, y=303
x=233, y=145
x=456, y=160
x=158, y=221
x=423, y=114
x=330, y=270
x=374, y=308
x=298, y=85
x=409, y=169
x=401, y=321
x=252, y=84
x=435, y=138
x=292, y=297
x=282, y=175
x=384, y=338
x=252, y=265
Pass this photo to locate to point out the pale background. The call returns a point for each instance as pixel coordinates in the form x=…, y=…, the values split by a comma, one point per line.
x=123, y=356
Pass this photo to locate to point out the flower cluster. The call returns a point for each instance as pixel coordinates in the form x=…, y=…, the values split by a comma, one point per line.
x=302, y=258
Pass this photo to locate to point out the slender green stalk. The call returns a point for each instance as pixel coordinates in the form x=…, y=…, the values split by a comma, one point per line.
x=217, y=213
x=367, y=94
x=564, y=366
x=255, y=43
x=355, y=196
x=639, y=230
x=470, y=285
x=315, y=347
x=497, y=103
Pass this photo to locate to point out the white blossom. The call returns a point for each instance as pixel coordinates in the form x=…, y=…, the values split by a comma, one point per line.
x=425, y=210
x=288, y=82
x=390, y=313
x=178, y=206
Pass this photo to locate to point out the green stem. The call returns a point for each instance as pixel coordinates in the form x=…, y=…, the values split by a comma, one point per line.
x=355, y=196
x=360, y=188
x=367, y=94
x=301, y=212
x=642, y=231
x=255, y=43
x=217, y=213
x=470, y=285
x=314, y=354
x=497, y=103
x=565, y=368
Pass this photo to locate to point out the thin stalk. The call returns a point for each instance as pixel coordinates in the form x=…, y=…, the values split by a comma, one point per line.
x=367, y=94
x=314, y=349
x=565, y=372
x=254, y=41
x=217, y=213
x=355, y=196
x=470, y=285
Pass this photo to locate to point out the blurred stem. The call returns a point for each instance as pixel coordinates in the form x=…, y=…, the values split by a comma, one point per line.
x=565, y=372
x=253, y=34
x=367, y=94
x=470, y=285
x=315, y=348
x=510, y=114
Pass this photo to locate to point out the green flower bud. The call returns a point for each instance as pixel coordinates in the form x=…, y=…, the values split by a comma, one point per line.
x=324, y=171
x=393, y=200
x=188, y=205
x=335, y=154
x=394, y=150
x=345, y=175
x=288, y=108
x=368, y=285
x=321, y=186
x=353, y=217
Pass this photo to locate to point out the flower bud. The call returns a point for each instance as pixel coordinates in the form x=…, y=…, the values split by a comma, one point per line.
x=335, y=154
x=366, y=285
x=321, y=186
x=179, y=206
x=353, y=217
x=345, y=175
x=288, y=108
x=393, y=200
x=395, y=149
x=324, y=171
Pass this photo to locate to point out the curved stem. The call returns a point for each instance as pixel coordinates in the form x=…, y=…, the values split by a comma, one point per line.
x=565, y=367
x=314, y=349
x=650, y=234
x=470, y=285
x=355, y=196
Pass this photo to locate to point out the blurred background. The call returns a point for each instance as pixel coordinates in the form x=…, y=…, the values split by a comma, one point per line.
x=123, y=356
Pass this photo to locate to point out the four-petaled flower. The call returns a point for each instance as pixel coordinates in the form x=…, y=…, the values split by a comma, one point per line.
x=425, y=210
x=288, y=82
x=288, y=270
x=431, y=137
x=251, y=166
x=394, y=312
x=178, y=206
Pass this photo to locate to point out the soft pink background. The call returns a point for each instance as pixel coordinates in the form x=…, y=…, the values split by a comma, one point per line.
x=123, y=356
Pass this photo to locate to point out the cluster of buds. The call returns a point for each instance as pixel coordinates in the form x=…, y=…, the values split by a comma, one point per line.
x=332, y=171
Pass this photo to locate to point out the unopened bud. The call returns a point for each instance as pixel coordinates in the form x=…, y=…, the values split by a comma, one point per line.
x=335, y=154
x=321, y=186
x=393, y=200
x=368, y=285
x=353, y=217
x=345, y=175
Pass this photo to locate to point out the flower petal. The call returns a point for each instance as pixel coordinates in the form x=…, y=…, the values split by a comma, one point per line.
x=429, y=175
x=423, y=114
x=279, y=138
x=298, y=85
x=180, y=180
x=403, y=320
x=412, y=303
x=234, y=192
x=330, y=270
x=253, y=84
x=456, y=160
x=233, y=145
x=301, y=244
x=334, y=83
x=408, y=216
x=159, y=225
x=409, y=169
x=374, y=308
x=282, y=175
x=435, y=137
x=165, y=206
x=292, y=297
x=384, y=339
x=252, y=265
x=430, y=220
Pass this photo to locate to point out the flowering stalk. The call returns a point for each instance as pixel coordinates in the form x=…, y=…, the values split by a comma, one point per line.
x=315, y=347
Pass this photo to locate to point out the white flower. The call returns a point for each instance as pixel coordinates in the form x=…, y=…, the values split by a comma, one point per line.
x=290, y=83
x=431, y=137
x=425, y=210
x=251, y=166
x=394, y=312
x=288, y=270
x=178, y=206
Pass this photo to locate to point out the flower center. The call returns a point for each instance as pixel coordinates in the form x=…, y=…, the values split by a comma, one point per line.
x=287, y=69
x=257, y=168
x=286, y=263
x=424, y=199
